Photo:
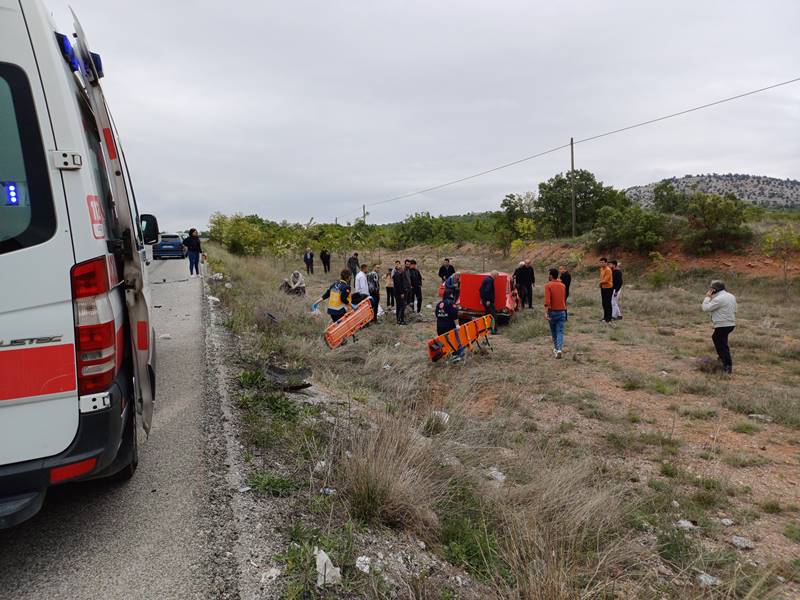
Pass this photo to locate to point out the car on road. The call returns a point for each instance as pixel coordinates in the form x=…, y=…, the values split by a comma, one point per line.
x=77, y=352
x=506, y=299
x=170, y=246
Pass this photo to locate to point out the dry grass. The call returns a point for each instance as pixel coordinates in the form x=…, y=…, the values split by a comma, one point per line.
x=560, y=526
x=562, y=533
x=390, y=476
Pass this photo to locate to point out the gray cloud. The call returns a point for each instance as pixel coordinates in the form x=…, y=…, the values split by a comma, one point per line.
x=309, y=109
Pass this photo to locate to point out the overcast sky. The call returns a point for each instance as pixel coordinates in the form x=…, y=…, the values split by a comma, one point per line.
x=300, y=110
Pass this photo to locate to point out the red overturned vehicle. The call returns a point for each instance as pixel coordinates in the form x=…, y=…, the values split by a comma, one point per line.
x=506, y=299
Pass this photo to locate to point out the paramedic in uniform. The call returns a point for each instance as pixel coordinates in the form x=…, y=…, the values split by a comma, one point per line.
x=338, y=297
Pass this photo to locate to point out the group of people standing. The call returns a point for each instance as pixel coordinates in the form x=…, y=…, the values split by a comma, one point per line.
x=403, y=288
x=324, y=257
x=610, y=289
x=403, y=285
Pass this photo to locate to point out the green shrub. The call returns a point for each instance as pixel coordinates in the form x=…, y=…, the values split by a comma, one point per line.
x=715, y=223
x=629, y=228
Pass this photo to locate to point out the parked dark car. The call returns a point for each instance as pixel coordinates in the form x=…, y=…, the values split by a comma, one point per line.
x=170, y=246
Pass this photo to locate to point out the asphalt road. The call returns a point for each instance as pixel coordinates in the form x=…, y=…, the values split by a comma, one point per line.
x=149, y=537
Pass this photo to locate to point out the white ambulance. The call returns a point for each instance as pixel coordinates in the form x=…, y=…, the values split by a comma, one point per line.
x=76, y=344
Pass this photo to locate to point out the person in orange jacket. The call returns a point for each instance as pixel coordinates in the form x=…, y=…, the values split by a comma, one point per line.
x=606, y=289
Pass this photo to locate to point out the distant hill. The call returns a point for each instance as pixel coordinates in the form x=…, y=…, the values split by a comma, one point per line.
x=768, y=192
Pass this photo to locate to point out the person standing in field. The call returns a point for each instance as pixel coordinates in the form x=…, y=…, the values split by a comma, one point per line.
x=361, y=290
x=530, y=281
x=325, y=257
x=555, y=310
x=606, y=289
x=353, y=264
x=565, y=277
x=487, y=295
x=452, y=286
x=308, y=259
x=446, y=270
x=338, y=297
x=374, y=286
x=415, y=275
x=401, y=290
x=722, y=306
x=388, y=283
x=519, y=280
x=616, y=280
x=193, y=251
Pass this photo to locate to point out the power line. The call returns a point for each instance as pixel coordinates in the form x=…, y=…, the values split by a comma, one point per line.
x=581, y=141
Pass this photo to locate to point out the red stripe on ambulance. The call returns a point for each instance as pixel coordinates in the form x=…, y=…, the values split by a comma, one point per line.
x=112, y=149
x=37, y=371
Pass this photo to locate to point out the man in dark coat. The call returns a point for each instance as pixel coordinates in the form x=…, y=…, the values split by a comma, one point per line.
x=520, y=279
x=565, y=277
x=446, y=270
x=402, y=287
x=416, y=286
x=353, y=265
x=325, y=257
x=531, y=280
x=487, y=294
x=308, y=258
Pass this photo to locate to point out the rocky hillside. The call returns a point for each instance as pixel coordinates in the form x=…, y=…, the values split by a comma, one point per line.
x=764, y=191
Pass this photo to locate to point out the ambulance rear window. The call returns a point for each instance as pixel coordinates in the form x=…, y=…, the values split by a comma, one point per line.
x=27, y=217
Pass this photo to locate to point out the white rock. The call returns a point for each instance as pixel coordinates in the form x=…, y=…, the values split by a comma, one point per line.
x=726, y=522
x=327, y=574
x=685, y=525
x=781, y=579
x=675, y=504
x=421, y=544
x=496, y=474
x=363, y=563
x=228, y=285
x=742, y=543
x=429, y=306
x=443, y=417
x=270, y=575
x=213, y=299
x=165, y=336
x=320, y=466
x=706, y=580
x=459, y=580
x=245, y=489
x=760, y=417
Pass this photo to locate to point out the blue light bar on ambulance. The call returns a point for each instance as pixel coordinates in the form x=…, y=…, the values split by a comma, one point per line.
x=12, y=198
x=68, y=52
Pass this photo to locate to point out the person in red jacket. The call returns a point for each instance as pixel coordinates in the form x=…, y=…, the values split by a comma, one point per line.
x=555, y=309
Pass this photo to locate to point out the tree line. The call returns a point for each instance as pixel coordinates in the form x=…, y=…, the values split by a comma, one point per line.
x=606, y=219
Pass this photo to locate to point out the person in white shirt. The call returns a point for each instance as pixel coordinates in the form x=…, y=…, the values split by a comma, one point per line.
x=722, y=306
x=361, y=290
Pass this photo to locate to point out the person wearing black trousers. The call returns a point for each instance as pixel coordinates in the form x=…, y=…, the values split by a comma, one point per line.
x=416, y=286
x=530, y=282
x=401, y=290
x=565, y=277
x=308, y=258
x=325, y=257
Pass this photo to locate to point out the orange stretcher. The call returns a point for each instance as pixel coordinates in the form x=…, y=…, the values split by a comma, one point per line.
x=466, y=337
x=351, y=322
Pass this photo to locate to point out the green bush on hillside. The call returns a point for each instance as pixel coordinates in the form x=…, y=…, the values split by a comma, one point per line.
x=715, y=223
x=630, y=228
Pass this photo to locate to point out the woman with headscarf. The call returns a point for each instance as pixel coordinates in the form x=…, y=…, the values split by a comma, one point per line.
x=295, y=285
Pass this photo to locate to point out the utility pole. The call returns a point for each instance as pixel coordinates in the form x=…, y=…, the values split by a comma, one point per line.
x=364, y=213
x=335, y=220
x=572, y=181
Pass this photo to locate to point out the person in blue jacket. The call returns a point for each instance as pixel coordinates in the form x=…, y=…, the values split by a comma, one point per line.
x=487, y=294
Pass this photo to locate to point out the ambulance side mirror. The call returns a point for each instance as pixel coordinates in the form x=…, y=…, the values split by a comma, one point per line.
x=149, y=229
